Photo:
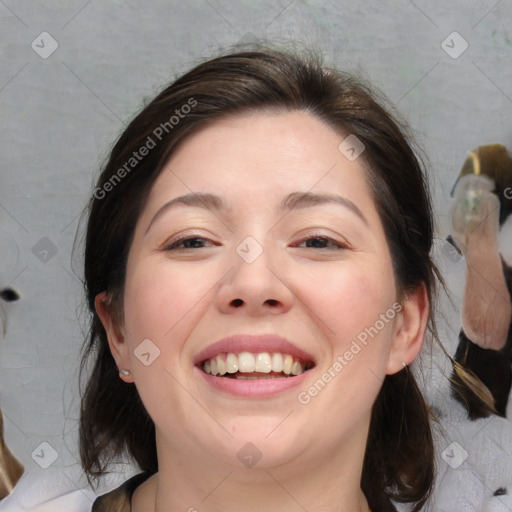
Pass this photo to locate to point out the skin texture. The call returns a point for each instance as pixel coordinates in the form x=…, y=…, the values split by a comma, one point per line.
x=318, y=295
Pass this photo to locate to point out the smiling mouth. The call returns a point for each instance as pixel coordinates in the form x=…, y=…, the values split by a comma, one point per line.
x=255, y=366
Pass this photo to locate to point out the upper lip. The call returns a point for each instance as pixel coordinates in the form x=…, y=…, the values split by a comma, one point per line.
x=255, y=344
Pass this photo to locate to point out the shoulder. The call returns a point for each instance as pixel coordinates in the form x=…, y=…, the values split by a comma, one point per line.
x=118, y=500
x=47, y=491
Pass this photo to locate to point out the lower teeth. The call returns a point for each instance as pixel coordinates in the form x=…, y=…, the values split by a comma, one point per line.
x=252, y=377
x=241, y=376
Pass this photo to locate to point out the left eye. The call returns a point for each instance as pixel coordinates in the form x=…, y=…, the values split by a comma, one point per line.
x=194, y=242
x=320, y=243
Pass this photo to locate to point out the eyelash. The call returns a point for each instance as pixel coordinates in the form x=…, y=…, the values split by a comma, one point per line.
x=176, y=243
x=340, y=245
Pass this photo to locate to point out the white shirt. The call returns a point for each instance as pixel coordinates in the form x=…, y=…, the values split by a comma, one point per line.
x=48, y=491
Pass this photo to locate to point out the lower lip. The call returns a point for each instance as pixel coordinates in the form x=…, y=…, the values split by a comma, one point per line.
x=261, y=388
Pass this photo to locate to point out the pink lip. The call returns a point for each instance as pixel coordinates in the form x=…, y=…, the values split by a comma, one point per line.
x=255, y=344
x=254, y=388
x=258, y=388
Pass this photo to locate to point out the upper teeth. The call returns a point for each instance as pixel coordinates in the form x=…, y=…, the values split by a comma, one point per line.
x=246, y=362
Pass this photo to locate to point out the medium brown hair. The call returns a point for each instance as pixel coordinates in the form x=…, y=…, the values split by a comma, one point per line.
x=399, y=459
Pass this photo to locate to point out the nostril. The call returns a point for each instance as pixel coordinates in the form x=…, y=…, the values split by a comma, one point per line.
x=237, y=302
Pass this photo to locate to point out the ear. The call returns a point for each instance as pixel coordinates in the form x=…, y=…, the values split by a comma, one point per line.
x=118, y=347
x=410, y=328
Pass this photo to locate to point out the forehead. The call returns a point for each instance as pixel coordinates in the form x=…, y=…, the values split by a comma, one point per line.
x=267, y=153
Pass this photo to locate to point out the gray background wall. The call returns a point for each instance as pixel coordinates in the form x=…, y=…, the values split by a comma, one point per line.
x=60, y=113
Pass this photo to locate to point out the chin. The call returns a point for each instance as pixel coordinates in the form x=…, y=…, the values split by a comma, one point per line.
x=255, y=442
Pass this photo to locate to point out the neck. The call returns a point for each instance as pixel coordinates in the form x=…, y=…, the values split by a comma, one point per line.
x=329, y=485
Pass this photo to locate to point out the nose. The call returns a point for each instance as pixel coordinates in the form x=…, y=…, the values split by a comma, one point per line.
x=256, y=287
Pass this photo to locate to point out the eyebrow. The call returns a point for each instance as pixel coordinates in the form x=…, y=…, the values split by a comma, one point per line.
x=295, y=200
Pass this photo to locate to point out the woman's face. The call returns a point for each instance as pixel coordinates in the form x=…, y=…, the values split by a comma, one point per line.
x=265, y=254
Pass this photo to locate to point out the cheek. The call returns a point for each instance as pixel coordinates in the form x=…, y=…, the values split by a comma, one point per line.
x=163, y=304
x=355, y=307
x=350, y=300
x=158, y=298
